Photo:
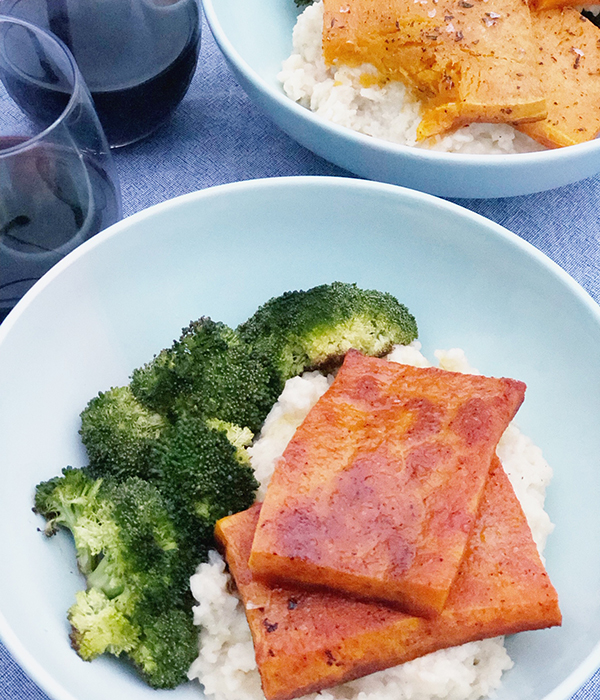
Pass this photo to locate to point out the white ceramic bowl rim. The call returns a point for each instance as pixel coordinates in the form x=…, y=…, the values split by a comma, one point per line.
x=293, y=181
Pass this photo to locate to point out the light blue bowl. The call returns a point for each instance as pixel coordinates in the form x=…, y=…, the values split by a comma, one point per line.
x=125, y=294
x=256, y=36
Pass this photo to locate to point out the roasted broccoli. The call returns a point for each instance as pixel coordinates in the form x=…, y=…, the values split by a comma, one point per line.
x=205, y=472
x=168, y=645
x=199, y=465
x=212, y=370
x=311, y=329
x=127, y=548
x=167, y=459
x=119, y=434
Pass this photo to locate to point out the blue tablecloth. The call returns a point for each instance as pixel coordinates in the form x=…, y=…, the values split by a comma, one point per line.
x=217, y=136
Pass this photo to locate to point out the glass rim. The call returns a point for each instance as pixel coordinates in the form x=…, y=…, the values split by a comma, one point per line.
x=78, y=85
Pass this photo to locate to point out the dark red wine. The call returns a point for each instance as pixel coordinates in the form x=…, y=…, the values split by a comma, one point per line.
x=52, y=200
x=126, y=114
x=131, y=113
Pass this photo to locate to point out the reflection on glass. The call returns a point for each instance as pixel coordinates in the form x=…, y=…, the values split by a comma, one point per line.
x=57, y=182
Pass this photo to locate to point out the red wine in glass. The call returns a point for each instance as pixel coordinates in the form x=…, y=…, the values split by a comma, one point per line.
x=137, y=57
x=128, y=114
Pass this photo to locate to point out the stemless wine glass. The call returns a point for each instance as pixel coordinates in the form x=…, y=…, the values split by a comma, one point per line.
x=136, y=56
x=58, y=186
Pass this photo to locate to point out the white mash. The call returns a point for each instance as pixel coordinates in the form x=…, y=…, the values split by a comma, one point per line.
x=226, y=665
x=390, y=112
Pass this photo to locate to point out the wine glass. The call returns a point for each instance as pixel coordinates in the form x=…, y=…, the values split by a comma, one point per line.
x=58, y=186
x=136, y=56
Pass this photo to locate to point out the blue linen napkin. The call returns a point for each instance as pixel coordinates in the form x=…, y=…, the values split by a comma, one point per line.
x=218, y=136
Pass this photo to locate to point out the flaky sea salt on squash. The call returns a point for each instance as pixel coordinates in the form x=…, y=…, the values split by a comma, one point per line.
x=569, y=58
x=467, y=60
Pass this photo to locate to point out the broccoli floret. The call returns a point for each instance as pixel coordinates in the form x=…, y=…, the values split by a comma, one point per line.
x=162, y=647
x=203, y=473
x=157, y=383
x=100, y=624
x=127, y=547
x=119, y=434
x=147, y=536
x=312, y=329
x=210, y=369
x=239, y=437
x=123, y=533
x=167, y=648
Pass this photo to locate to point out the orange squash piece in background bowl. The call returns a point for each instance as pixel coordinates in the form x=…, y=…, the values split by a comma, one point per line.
x=568, y=54
x=466, y=60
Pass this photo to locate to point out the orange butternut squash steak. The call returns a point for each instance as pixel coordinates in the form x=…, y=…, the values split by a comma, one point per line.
x=466, y=60
x=568, y=54
x=378, y=490
x=306, y=641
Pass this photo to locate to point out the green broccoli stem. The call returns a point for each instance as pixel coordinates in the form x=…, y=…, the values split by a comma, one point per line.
x=103, y=578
